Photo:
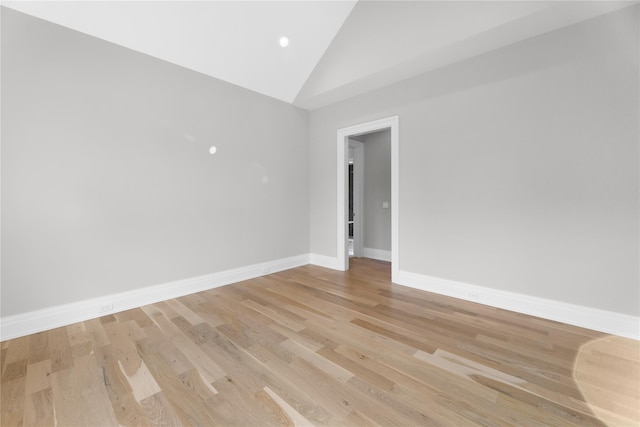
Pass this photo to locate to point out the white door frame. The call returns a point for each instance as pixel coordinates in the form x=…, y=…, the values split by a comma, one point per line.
x=358, y=191
x=343, y=135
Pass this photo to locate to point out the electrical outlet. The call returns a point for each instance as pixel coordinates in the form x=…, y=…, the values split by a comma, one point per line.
x=474, y=296
x=266, y=270
x=106, y=307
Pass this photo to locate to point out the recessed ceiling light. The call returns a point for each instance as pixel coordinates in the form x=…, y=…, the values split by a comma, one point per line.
x=213, y=149
x=284, y=41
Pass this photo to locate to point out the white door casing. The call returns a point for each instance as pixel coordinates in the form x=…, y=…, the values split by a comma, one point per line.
x=343, y=135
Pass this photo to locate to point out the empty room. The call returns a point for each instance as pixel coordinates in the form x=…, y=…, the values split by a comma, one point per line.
x=320, y=213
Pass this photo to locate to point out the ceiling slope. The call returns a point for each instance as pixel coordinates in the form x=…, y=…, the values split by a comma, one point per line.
x=384, y=42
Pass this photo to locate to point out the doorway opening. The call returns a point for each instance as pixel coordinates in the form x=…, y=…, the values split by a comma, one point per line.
x=355, y=215
x=351, y=211
x=343, y=212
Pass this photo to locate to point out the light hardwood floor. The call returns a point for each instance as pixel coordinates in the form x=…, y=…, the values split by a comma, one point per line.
x=311, y=346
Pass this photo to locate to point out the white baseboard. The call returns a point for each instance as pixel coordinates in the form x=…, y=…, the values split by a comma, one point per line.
x=62, y=315
x=379, y=254
x=586, y=317
x=324, y=261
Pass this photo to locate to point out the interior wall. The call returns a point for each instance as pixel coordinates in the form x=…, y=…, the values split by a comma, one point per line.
x=518, y=168
x=377, y=190
x=107, y=180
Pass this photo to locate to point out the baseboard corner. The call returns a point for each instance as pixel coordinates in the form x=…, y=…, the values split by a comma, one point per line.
x=324, y=261
x=378, y=254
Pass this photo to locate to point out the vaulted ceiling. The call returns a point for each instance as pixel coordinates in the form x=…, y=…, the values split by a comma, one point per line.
x=337, y=49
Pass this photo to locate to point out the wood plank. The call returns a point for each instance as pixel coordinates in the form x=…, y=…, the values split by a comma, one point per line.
x=12, y=402
x=185, y=312
x=79, y=339
x=40, y=410
x=14, y=371
x=129, y=412
x=137, y=315
x=79, y=396
x=115, y=380
x=39, y=376
x=281, y=410
x=39, y=347
x=159, y=411
x=189, y=408
x=60, y=352
x=327, y=366
x=15, y=350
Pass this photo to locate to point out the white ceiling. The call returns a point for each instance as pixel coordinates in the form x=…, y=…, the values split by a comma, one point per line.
x=337, y=49
x=235, y=41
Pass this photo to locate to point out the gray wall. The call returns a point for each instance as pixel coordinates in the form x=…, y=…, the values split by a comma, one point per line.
x=377, y=189
x=107, y=183
x=518, y=168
